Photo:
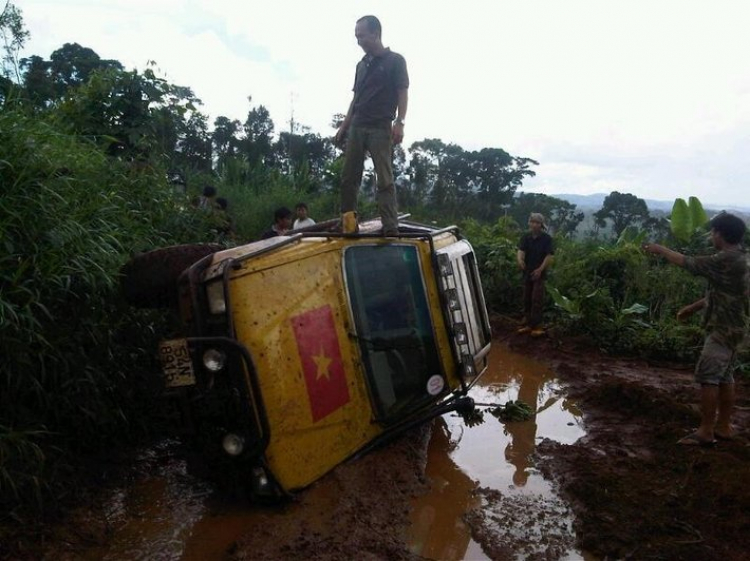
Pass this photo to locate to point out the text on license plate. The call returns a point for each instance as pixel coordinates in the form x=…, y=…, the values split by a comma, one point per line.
x=176, y=364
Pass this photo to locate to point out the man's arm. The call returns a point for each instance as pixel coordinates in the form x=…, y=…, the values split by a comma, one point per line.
x=671, y=256
x=521, y=259
x=398, y=124
x=537, y=273
x=338, y=140
x=690, y=309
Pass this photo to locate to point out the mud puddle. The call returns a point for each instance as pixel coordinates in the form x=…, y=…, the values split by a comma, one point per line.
x=487, y=500
x=486, y=495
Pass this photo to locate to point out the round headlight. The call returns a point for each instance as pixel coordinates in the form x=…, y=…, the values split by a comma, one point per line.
x=214, y=360
x=233, y=444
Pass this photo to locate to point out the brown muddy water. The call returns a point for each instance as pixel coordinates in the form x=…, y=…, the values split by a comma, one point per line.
x=484, y=484
x=483, y=476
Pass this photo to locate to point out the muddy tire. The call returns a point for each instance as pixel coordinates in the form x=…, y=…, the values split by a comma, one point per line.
x=149, y=280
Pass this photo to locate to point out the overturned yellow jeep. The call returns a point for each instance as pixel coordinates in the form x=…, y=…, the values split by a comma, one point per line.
x=301, y=351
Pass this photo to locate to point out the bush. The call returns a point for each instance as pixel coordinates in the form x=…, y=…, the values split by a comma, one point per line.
x=73, y=371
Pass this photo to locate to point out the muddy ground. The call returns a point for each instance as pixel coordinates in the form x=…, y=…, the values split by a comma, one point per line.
x=634, y=492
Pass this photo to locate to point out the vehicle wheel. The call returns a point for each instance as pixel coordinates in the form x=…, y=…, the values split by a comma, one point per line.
x=149, y=280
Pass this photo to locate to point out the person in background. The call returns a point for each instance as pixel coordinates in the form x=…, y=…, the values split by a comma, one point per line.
x=374, y=122
x=224, y=225
x=282, y=222
x=726, y=318
x=302, y=219
x=534, y=257
x=208, y=198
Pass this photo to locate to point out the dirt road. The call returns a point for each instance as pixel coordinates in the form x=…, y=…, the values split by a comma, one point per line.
x=635, y=492
x=626, y=488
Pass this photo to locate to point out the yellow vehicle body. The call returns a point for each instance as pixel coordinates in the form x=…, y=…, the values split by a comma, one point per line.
x=344, y=339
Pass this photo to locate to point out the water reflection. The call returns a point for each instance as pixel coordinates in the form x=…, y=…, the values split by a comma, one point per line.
x=491, y=454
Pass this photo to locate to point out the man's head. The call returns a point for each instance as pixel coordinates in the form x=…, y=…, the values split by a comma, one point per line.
x=209, y=191
x=536, y=222
x=726, y=229
x=301, y=210
x=282, y=217
x=368, y=32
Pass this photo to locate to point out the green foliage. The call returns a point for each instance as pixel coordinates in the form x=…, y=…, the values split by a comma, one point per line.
x=513, y=411
x=72, y=364
x=562, y=217
x=623, y=210
x=687, y=219
x=496, y=249
x=14, y=36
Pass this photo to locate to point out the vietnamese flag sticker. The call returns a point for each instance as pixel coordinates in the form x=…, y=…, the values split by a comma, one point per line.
x=320, y=355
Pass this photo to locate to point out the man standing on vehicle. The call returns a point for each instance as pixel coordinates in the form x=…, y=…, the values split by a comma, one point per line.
x=373, y=123
x=726, y=319
x=534, y=257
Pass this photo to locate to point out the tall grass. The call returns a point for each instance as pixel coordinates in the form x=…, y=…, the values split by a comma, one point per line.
x=72, y=369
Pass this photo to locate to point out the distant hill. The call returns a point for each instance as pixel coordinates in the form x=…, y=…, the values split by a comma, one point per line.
x=596, y=200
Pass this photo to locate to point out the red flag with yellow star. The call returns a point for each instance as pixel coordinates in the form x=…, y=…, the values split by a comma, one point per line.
x=320, y=355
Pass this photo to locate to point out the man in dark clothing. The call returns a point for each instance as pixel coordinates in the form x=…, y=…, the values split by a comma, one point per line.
x=535, y=251
x=373, y=123
x=282, y=222
x=726, y=319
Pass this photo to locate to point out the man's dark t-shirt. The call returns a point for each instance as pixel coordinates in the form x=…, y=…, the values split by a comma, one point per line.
x=376, y=84
x=535, y=250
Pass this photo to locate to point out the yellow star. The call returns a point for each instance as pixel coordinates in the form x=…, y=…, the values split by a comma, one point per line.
x=322, y=362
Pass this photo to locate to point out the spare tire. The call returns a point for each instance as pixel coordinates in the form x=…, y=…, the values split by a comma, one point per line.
x=149, y=280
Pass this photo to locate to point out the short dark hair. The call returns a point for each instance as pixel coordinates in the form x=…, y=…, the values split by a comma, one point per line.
x=209, y=191
x=301, y=205
x=373, y=24
x=222, y=202
x=281, y=213
x=731, y=227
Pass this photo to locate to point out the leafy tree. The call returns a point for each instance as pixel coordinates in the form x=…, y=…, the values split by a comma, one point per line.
x=70, y=66
x=194, y=152
x=305, y=156
x=225, y=139
x=496, y=175
x=136, y=116
x=623, y=209
x=456, y=182
x=562, y=217
x=14, y=36
x=258, y=142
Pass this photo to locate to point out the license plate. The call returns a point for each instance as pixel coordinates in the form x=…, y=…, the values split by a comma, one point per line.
x=176, y=364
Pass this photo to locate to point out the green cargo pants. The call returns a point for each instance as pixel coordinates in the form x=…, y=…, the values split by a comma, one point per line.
x=377, y=141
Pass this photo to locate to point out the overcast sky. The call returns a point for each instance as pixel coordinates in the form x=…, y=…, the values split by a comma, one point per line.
x=650, y=97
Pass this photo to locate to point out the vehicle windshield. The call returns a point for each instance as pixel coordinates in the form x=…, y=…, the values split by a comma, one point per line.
x=393, y=325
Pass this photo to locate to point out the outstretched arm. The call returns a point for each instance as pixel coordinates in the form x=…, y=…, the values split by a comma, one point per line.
x=671, y=256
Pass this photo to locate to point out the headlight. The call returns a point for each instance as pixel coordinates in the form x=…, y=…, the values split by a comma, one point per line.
x=233, y=444
x=217, y=304
x=214, y=360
